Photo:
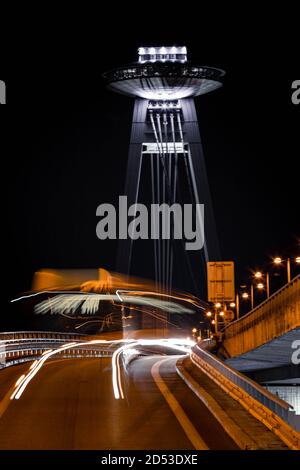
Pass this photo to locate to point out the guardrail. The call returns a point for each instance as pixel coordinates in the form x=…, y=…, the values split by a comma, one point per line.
x=275, y=404
x=30, y=354
x=275, y=413
x=62, y=355
x=18, y=347
x=274, y=317
x=5, y=336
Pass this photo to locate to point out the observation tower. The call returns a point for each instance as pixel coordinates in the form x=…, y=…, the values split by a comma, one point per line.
x=165, y=154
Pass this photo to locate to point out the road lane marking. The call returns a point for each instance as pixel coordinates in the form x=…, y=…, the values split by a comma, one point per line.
x=188, y=427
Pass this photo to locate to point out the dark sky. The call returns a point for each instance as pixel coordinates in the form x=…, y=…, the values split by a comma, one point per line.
x=65, y=137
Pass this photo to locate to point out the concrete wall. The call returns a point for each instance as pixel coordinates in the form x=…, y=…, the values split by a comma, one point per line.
x=271, y=319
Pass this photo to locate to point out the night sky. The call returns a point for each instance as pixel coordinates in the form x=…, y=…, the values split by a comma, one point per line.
x=65, y=139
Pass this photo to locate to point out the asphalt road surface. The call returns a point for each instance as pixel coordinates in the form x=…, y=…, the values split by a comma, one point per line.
x=70, y=405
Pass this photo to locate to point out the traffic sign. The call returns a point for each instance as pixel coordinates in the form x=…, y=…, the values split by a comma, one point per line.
x=220, y=281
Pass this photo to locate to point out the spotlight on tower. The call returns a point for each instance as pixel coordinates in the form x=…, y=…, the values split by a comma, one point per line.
x=164, y=73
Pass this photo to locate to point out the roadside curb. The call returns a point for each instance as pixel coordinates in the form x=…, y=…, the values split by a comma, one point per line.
x=233, y=430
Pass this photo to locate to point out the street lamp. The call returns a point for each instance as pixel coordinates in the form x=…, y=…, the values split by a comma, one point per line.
x=208, y=314
x=244, y=296
x=260, y=275
x=278, y=261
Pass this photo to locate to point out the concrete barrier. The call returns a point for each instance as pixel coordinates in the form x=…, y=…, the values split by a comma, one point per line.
x=273, y=318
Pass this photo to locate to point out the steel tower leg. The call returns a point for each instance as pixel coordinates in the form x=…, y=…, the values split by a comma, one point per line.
x=184, y=130
x=192, y=137
x=133, y=177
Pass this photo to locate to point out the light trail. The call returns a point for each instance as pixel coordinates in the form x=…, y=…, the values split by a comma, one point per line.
x=50, y=292
x=22, y=382
x=116, y=371
x=175, y=344
x=118, y=295
x=33, y=370
x=65, y=303
x=183, y=345
x=159, y=294
x=19, y=380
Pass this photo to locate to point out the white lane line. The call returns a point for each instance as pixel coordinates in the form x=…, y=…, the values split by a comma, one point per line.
x=188, y=427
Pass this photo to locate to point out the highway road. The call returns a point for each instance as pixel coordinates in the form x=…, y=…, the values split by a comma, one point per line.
x=70, y=405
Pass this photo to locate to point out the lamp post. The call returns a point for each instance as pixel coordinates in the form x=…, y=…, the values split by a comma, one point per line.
x=237, y=303
x=245, y=296
x=278, y=261
x=252, y=296
x=217, y=305
x=260, y=275
x=209, y=315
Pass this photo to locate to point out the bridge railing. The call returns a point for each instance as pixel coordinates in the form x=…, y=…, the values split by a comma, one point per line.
x=275, y=413
x=274, y=317
x=14, y=335
x=278, y=406
x=18, y=347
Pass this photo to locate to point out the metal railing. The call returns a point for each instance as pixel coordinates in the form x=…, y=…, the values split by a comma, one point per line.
x=4, y=336
x=22, y=346
x=275, y=404
x=63, y=355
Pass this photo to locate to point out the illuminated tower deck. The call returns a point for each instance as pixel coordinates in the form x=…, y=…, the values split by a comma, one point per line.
x=166, y=145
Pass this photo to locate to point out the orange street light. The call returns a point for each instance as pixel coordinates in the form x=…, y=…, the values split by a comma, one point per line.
x=208, y=314
x=221, y=314
x=232, y=304
x=297, y=259
x=260, y=275
x=218, y=305
x=245, y=295
x=279, y=260
x=260, y=285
